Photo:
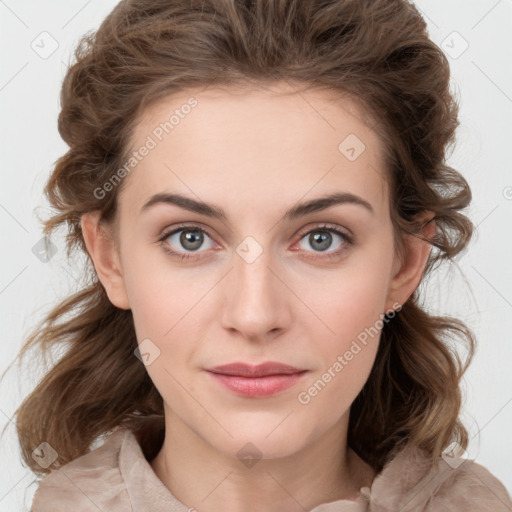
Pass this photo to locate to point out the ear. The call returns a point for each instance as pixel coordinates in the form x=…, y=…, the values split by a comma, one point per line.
x=407, y=273
x=102, y=250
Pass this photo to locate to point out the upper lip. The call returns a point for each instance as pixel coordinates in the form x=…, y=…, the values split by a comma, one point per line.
x=260, y=370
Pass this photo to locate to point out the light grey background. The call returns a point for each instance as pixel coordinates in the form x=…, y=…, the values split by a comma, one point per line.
x=37, y=39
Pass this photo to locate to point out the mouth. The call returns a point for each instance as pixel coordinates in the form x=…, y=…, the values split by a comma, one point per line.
x=258, y=381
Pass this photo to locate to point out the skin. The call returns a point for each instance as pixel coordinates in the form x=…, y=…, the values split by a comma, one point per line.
x=255, y=155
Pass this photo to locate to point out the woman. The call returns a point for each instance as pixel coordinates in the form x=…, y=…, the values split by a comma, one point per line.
x=226, y=361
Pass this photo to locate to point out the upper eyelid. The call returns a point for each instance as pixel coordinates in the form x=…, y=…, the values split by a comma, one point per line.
x=187, y=227
x=327, y=226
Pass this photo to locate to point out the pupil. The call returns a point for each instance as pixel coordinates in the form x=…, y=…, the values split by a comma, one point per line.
x=191, y=240
x=323, y=237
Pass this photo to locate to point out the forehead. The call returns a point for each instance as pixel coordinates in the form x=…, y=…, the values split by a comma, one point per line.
x=250, y=144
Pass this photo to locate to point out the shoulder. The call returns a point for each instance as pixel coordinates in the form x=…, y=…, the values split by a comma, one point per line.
x=409, y=484
x=91, y=482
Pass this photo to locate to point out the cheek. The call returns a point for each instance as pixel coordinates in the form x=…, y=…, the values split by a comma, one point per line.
x=165, y=311
x=347, y=355
x=330, y=394
x=162, y=297
x=168, y=309
x=350, y=303
x=348, y=300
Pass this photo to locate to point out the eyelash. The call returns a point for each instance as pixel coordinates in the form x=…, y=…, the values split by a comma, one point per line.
x=348, y=240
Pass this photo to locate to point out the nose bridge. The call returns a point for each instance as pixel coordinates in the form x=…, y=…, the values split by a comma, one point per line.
x=255, y=301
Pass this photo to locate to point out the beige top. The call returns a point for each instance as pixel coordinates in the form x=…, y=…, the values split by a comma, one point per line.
x=116, y=477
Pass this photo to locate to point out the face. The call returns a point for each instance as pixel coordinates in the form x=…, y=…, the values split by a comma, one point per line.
x=267, y=272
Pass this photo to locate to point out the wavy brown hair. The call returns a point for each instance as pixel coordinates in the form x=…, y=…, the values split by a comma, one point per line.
x=377, y=52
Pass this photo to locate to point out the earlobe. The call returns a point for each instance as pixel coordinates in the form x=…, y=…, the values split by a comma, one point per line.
x=100, y=245
x=406, y=279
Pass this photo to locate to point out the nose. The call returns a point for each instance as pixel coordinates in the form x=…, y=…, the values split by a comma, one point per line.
x=256, y=299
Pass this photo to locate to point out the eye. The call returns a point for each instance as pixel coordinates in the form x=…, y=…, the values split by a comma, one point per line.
x=185, y=238
x=321, y=239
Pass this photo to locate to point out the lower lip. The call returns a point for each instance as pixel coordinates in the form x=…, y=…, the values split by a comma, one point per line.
x=257, y=387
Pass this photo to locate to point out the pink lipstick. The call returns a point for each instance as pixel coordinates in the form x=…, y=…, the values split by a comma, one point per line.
x=258, y=381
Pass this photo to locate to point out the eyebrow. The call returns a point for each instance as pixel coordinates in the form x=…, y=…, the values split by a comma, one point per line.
x=299, y=210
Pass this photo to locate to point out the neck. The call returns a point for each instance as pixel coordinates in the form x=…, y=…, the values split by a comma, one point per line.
x=202, y=477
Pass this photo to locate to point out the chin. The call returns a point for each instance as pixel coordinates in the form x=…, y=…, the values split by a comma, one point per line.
x=258, y=437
